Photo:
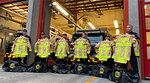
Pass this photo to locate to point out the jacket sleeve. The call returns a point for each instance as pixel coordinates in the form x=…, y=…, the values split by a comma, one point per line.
x=13, y=46
x=36, y=46
x=136, y=47
x=29, y=45
x=113, y=45
x=67, y=47
x=88, y=47
x=96, y=47
x=52, y=45
x=55, y=46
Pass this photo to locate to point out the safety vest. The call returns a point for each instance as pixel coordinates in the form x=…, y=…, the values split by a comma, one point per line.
x=122, y=47
x=82, y=47
x=20, y=47
x=61, y=48
x=103, y=50
x=43, y=47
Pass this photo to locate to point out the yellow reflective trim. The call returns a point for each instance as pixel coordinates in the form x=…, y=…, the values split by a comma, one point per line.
x=137, y=54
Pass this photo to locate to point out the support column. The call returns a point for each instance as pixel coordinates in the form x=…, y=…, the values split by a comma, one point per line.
x=126, y=14
x=134, y=20
x=47, y=18
x=38, y=21
x=32, y=26
x=134, y=15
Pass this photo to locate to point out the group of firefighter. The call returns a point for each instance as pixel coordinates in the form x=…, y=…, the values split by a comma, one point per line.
x=120, y=50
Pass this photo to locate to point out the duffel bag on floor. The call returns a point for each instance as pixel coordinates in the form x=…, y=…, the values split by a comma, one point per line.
x=120, y=75
x=59, y=68
x=100, y=70
x=81, y=68
x=14, y=66
x=38, y=67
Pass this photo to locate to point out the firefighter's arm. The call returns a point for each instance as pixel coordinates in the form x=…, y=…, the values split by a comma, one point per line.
x=13, y=46
x=89, y=47
x=55, y=46
x=36, y=47
x=29, y=45
x=113, y=45
x=136, y=47
x=51, y=47
x=67, y=48
x=96, y=47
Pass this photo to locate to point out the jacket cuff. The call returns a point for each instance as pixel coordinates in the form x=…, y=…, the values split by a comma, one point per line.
x=88, y=52
x=52, y=51
x=36, y=51
x=137, y=54
x=68, y=52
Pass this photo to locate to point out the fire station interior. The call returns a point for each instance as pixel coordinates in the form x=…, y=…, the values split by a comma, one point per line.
x=66, y=16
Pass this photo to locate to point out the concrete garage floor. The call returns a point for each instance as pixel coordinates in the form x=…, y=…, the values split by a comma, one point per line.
x=26, y=77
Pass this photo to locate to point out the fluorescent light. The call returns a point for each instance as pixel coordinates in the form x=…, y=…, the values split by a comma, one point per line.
x=25, y=12
x=11, y=34
x=91, y=25
x=60, y=8
x=21, y=10
x=116, y=23
x=16, y=7
x=117, y=31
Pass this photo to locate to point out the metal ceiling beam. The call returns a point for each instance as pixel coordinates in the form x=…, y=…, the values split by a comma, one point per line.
x=16, y=5
x=89, y=3
x=94, y=8
x=91, y=10
x=94, y=5
x=20, y=8
x=74, y=1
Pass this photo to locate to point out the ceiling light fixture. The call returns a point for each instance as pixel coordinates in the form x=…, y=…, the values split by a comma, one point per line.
x=116, y=23
x=117, y=31
x=11, y=34
x=16, y=7
x=91, y=25
x=25, y=12
x=60, y=8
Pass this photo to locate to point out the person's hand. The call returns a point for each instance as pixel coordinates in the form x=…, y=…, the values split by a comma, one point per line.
x=133, y=36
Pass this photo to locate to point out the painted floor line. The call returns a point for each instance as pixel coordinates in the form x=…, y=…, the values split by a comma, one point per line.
x=91, y=79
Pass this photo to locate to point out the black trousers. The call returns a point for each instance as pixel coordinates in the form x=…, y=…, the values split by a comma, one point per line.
x=20, y=59
x=38, y=59
x=133, y=61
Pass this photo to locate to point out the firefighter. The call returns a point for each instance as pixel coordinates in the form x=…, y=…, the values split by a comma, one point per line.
x=82, y=48
x=123, y=46
x=65, y=37
x=133, y=57
x=43, y=48
x=104, y=49
x=61, y=49
x=20, y=47
x=61, y=53
x=25, y=35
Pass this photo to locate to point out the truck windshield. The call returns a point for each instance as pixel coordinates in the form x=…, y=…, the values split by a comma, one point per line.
x=94, y=37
